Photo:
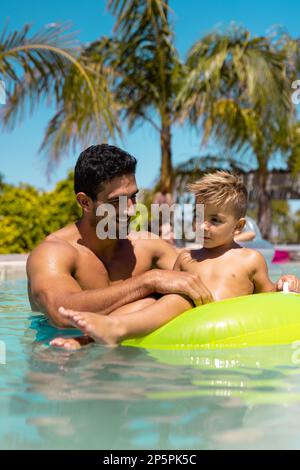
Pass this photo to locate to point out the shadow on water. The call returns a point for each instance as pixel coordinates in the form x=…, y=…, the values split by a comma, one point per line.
x=124, y=397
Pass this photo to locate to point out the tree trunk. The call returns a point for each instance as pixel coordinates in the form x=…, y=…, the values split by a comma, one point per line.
x=164, y=67
x=264, y=206
x=166, y=172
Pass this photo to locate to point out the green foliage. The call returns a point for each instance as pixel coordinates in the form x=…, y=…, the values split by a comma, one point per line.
x=285, y=225
x=238, y=89
x=27, y=215
x=297, y=226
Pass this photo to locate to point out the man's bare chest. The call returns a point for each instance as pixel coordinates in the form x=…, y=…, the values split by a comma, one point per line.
x=93, y=272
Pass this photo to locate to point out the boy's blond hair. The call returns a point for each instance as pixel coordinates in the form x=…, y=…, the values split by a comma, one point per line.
x=221, y=188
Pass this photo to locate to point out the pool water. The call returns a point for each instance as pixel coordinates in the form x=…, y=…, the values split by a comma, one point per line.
x=127, y=398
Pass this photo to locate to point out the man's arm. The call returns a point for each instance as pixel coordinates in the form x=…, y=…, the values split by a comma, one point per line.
x=51, y=284
x=49, y=270
x=167, y=258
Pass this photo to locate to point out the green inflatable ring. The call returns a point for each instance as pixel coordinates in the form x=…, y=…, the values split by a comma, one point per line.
x=251, y=320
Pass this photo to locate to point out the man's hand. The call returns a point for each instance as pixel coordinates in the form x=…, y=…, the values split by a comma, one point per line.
x=294, y=282
x=175, y=282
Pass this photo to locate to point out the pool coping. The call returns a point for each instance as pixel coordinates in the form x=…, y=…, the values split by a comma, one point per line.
x=13, y=266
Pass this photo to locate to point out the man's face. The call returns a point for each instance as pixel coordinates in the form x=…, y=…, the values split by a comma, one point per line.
x=220, y=225
x=120, y=193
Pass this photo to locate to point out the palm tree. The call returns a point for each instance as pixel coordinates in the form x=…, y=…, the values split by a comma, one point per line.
x=48, y=65
x=237, y=90
x=148, y=71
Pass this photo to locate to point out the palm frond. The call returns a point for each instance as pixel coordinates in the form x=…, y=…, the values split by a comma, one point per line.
x=195, y=167
x=238, y=90
x=50, y=65
x=75, y=121
x=129, y=13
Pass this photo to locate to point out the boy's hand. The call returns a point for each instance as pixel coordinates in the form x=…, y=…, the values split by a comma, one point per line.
x=294, y=282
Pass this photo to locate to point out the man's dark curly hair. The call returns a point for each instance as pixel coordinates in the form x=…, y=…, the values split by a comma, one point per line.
x=99, y=164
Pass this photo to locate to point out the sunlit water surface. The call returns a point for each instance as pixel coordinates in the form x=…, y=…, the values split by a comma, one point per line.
x=124, y=398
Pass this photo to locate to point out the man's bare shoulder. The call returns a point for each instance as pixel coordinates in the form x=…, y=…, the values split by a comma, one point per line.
x=58, y=242
x=52, y=250
x=53, y=244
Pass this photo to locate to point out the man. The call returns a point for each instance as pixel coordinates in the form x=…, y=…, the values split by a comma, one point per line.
x=74, y=268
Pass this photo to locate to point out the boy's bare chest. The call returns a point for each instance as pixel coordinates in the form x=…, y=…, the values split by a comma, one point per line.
x=227, y=269
x=225, y=277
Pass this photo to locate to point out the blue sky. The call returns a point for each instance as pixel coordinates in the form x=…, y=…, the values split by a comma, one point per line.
x=19, y=157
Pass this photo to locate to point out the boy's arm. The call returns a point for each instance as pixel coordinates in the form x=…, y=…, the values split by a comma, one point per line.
x=262, y=282
x=185, y=263
x=260, y=276
x=164, y=254
x=177, y=265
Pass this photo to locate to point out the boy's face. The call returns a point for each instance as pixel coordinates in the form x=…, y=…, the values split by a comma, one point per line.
x=220, y=225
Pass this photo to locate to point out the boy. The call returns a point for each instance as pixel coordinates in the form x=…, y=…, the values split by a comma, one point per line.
x=227, y=269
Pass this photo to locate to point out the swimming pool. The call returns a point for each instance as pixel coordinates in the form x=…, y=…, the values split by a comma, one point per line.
x=125, y=398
